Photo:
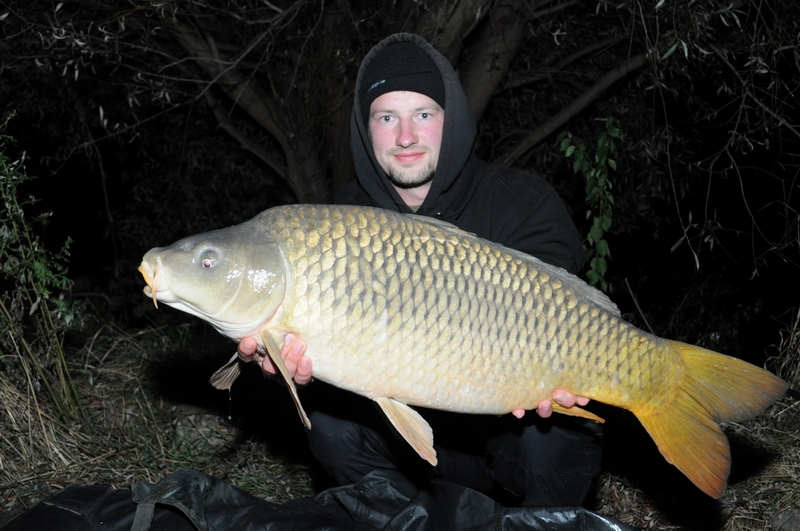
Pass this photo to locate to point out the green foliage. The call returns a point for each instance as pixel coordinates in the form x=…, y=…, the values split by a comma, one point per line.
x=599, y=199
x=33, y=312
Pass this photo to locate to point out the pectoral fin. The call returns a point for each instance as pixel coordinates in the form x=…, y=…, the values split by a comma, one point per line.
x=410, y=424
x=575, y=411
x=274, y=351
x=227, y=374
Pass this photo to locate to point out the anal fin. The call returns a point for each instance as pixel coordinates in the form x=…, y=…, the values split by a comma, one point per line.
x=575, y=411
x=274, y=352
x=410, y=424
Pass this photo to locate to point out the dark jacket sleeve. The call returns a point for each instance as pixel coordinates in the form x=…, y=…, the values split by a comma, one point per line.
x=545, y=230
x=522, y=211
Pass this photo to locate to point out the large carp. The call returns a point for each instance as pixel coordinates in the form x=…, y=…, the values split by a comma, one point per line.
x=407, y=310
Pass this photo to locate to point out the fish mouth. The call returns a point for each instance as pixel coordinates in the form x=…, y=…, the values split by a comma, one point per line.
x=155, y=281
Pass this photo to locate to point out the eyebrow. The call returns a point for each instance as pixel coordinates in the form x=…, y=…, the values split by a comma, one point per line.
x=434, y=107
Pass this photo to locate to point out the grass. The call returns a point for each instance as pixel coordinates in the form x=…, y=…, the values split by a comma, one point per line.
x=134, y=429
x=149, y=411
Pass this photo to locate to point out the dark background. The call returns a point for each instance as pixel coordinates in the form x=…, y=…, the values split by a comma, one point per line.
x=143, y=124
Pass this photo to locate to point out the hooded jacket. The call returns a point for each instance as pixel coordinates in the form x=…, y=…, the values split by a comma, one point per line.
x=510, y=207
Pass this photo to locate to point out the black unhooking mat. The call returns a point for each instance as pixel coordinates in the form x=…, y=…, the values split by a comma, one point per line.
x=192, y=501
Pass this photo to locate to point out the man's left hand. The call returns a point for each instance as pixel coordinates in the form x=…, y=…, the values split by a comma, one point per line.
x=560, y=396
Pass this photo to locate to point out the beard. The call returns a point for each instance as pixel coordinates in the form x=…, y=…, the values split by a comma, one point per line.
x=406, y=181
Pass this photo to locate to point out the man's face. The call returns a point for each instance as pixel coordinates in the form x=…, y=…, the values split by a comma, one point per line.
x=406, y=132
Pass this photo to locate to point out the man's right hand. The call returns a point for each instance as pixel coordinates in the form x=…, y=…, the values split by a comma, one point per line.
x=293, y=354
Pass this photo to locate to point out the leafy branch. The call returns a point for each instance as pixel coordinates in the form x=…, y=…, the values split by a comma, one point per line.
x=33, y=319
x=599, y=199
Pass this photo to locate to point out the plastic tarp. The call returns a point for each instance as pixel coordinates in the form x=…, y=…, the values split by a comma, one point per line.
x=189, y=500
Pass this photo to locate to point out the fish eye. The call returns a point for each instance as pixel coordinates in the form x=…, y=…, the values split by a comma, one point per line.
x=208, y=260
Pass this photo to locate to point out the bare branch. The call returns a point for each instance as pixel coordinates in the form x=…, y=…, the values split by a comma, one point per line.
x=246, y=95
x=246, y=142
x=746, y=89
x=552, y=9
x=581, y=102
x=527, y=79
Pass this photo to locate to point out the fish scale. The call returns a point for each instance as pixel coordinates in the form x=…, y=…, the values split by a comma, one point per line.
x=407, y=310
x=405, y=251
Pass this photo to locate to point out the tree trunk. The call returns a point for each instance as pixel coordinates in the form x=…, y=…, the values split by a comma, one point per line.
x=445, y=24
x=486, y=64
x=303, y=170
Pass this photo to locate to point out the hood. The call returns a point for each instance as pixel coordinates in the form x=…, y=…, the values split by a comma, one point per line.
x=456, y=158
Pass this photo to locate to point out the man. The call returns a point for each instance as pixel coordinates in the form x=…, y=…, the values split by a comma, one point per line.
x=411, y=139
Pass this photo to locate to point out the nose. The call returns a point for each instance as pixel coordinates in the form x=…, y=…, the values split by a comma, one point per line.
x=406, y=134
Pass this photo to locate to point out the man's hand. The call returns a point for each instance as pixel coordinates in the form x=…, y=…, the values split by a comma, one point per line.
x=293, y=354
x=562, y=397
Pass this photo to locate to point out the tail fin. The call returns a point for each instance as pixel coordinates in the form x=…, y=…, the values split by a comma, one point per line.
x=715, y=388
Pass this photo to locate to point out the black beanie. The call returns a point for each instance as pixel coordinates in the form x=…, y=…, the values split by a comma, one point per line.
x=401, y=66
